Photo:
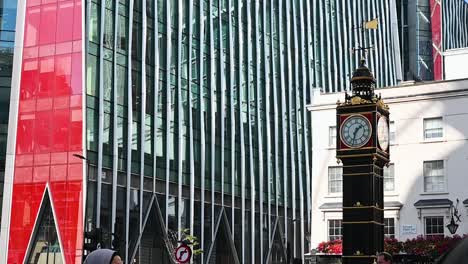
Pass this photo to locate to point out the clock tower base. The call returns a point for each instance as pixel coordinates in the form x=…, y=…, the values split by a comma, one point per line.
x=362, y=208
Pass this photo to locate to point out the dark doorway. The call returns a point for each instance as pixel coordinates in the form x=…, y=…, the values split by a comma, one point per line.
x=152, y=246
x=45, y=246
x=277, y=251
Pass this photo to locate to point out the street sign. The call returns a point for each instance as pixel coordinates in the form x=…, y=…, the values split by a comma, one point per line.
x=183, y=254
x=408, y=230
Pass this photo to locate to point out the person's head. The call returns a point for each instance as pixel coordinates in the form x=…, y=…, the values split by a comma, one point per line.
x=116, y=259
x=103, y=256
x=384, y=258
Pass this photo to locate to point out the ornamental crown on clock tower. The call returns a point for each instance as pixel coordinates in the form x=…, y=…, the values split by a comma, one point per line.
x=363, y=82
x=363, y=85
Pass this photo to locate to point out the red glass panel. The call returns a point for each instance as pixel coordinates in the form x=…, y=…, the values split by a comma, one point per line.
x=23, y=175
x=33, y=2
x=41, y=174
x=49, y=127
x=46, y=77
x=61, y=102
x=61, y=130
x=31, y=32
x=63, y=47
x=63, y=72
x=59, y=158
x=77, y=21
x=65, y=21
x=41, y=159
x=24, y=133
x=58, y=172
x=48, y=21
x=76, y=77
x=44, y=104
x=29, y=79
x=42, y=131
x=436, y=30
x=24, y=160
x=46, y=50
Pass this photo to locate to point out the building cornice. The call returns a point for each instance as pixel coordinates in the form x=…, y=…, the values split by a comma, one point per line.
x=338, y=206
x=413, y=93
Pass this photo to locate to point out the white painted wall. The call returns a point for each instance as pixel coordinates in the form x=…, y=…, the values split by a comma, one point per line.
x=409, y=105
x=455, y=64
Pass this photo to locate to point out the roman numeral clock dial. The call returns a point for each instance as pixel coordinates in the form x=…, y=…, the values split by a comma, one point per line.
x=355, y=131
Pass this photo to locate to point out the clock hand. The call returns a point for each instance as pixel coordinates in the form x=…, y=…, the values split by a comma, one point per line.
x=356, y=130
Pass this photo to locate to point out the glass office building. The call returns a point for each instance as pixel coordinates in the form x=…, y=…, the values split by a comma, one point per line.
x=195, y=111
x=145, y=118
x=339, y=28
x=428, y=31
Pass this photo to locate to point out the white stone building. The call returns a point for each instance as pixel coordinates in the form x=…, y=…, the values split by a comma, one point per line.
x=429, y=161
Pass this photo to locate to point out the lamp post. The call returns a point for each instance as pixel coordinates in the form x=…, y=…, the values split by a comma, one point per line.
x=80, y=157
x=89, y=236
x=455, y=218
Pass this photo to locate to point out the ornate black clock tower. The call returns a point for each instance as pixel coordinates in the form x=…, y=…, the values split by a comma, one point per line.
x=363, y=148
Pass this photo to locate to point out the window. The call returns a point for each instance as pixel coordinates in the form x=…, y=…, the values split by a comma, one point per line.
x=434, y=226
x=334, y=230
x=434, y=180
x=433, y=128
x=335, y=179
x=332, y=136
x=389, y=178
x=389, y=227
x=392, y=132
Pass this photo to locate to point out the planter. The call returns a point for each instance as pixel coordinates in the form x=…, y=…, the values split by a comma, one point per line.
x=327, y=259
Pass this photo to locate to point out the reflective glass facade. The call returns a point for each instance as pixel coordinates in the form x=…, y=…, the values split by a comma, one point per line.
x=455, y=24
x=338, y=28
x=427, y=29
x=195, y=112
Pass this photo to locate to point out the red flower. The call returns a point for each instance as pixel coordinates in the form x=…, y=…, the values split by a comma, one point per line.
x=330, y=247
x=431, y=247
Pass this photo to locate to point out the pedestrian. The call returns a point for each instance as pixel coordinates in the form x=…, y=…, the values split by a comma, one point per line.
x=384, y=258
x=103, y=256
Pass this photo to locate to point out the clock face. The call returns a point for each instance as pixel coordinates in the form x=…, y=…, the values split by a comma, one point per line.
x=382, y=132
x=356, y=131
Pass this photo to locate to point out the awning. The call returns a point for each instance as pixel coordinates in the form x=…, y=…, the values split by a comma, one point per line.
x=433, y=203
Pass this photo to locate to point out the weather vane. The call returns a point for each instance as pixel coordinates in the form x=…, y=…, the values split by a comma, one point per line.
x=366, y=25
x=365, y=49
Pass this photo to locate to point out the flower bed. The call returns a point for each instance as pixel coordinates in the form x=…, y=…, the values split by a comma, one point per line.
x=330, y=247
x=431, y=247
